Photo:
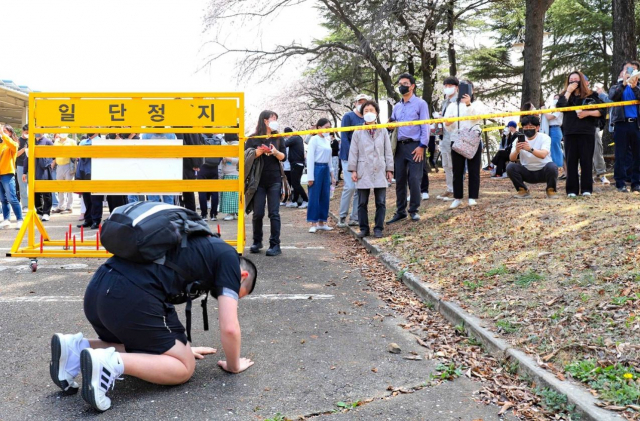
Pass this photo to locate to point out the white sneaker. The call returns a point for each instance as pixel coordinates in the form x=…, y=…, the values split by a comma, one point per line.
x=604, y=180
x=292, y=205
x=19, y=224
x=283, y=203
x=45, y=217
x=5, y=224
x=342, y=223
x=571, y=195
x=472, y=202
x=455, y=203
x=228, y=218
x=325, y=228
x=304, y=205
x=213, y=218
x=65, y=360
x=313, y=229
x=586, y=194
x=25, y=210
x=425, y=196
x=100, y=369
x=505, y=175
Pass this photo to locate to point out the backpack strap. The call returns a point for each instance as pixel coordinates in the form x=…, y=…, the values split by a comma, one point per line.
x=205, y=317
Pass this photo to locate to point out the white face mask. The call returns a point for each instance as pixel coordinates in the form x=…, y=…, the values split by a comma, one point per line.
x=370, y=117
x=327, y=136
x=449, y=91
x=358, y=109
x=273, y=125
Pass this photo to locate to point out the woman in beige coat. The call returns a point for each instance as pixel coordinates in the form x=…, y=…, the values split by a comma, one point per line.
x=371, y=167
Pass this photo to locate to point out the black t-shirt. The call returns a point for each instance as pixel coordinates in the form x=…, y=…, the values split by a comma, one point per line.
x=207, y=259
x=271, y=169
x=335, y=146
x=296, y=149
x=22, y=143
x=571, y=124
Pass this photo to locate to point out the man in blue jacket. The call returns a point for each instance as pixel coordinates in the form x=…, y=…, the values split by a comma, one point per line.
x=349, y=192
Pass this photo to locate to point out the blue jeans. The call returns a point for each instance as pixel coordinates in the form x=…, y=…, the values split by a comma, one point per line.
x=555, y=132
x=24, y=191
x=165, y=199
x=8, y=196
x=626, y=136
x=319, y=194
x=54, y=196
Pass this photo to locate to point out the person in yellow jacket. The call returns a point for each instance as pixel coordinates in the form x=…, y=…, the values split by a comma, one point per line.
x=66, y=170
x=8, y=196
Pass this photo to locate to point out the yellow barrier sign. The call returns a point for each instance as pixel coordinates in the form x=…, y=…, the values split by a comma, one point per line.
x=135, y=112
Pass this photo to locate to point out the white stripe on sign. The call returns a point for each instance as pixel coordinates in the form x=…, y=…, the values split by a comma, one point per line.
x=78, y=298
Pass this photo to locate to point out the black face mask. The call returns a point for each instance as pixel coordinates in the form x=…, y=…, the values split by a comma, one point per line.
x=529, y=133
x=403, y=89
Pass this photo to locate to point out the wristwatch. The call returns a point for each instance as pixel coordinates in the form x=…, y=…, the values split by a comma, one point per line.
x=531, y=150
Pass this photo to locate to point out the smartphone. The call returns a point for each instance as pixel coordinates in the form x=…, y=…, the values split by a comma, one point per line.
x=521, y=138
x=464, y=89
x=630, y=70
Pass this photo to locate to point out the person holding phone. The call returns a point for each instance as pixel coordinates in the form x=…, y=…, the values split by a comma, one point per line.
x=626, y=123
x=579, y=129
x=536, y=166
x=271, y=151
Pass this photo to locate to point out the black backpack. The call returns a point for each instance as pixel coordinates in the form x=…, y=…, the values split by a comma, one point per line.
x=212, y=141
x=144, y=232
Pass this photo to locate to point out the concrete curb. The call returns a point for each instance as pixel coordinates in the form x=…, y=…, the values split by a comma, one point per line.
x=585, y=403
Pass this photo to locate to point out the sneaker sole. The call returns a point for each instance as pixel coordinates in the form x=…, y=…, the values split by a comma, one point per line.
x=86, y=367
x=56, y=364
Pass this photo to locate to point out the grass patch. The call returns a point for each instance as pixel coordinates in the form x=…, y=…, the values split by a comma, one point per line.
x=472, y=285
x=276, y=417
x=447, y=372
x=616, y=384
x=500, y=270
x=526, y=279
x=556, y=402
x=348, y=405
x=507, y=326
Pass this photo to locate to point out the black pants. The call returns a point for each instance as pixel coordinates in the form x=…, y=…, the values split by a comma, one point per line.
x=43, y=203
x=93, y=204
x=627, y=137
x=424, y=184
x=407, y=171
x=189, y=198
x=116, y=201
x=381, y=208
x=500, y=160
x=288, y=195
x=208, y=173
x=519, y=175
x=473, y=165
x=432, y=152
x=298, y=190
x=267, y=195
x=579, y=150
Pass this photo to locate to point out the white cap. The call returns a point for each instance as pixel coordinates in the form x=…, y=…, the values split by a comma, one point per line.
x=362, y=96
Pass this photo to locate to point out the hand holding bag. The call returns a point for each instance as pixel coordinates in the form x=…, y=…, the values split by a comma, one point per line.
x=466, y=141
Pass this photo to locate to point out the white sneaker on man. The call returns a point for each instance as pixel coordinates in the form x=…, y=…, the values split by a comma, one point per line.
x=5, y=224
x=45, y=217
x=304, y=205
x=455, y=203
x=65, y=360
x=19, y=224
x=604, y=180
x=425, y=196
x=228, y=218
x=292, y=205
x=313, y=229
x=571, y=195
x=472, y=202
x=100, y=369
x=586, y=194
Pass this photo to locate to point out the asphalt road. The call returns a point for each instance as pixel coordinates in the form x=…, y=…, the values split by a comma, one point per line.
x=309, y=326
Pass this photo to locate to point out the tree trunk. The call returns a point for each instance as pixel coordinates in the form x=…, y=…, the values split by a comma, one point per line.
x=451, y=51
x=624, y=49
x=533, y=37
x=624, y=42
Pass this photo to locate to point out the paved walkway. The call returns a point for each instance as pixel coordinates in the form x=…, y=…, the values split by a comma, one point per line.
x=309, y=327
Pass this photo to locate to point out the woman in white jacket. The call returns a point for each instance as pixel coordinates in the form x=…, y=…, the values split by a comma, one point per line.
x=466, y=106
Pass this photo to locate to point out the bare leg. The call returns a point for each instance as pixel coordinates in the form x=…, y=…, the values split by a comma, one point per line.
x=98, y=344
x=175, y=366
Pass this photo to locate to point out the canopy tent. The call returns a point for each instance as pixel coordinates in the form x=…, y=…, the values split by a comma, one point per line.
x=14, y=103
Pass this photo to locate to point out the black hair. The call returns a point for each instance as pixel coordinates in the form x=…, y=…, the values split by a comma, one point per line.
x=525, y=120
x=246, y=264
x=231, y=137
x=407, y=76
x=12, y=133
x=374, y=104
x=288, y=130
x=322, y=122
x=25, y=128
x=261, y=127
x=633, y=63
x=528, y=106
x=451, y=80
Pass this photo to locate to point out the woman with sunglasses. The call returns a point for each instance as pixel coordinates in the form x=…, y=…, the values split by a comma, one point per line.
x=579, y=128
x=8, y=148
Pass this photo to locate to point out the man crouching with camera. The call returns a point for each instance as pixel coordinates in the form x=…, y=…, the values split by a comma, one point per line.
x=536, y=165
x=129, y=306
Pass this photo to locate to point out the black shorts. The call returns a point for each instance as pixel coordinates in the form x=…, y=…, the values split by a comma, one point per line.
x=123, y=313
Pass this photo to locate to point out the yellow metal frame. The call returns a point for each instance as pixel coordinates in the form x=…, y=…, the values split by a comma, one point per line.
x=86, y=249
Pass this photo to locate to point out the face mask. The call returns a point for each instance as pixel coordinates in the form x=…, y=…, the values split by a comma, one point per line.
x=449, y=91
x=370, y=117
x=529, y=133
x=403, y=89
x=358, y=109
x=273, y=125
x=620, y=80
x=327, y=136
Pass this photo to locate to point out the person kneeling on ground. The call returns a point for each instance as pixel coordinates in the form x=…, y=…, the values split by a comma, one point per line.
x=536, y=165
x=128, y=305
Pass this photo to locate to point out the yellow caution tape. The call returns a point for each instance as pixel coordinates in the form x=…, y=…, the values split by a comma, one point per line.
x=448, y=120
